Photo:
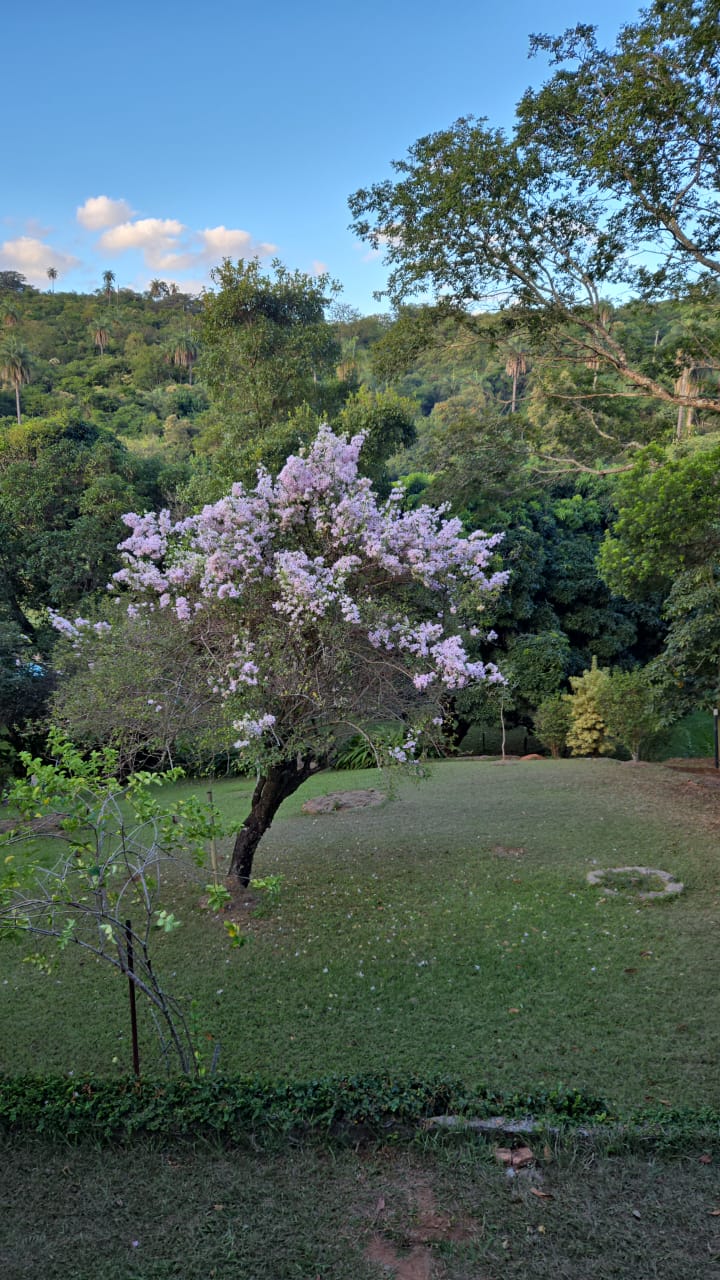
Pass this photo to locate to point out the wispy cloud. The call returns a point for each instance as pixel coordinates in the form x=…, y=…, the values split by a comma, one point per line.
x=384, y=239
x=37, y=229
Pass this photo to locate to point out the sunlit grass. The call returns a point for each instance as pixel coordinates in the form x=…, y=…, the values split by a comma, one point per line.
x=450, y=929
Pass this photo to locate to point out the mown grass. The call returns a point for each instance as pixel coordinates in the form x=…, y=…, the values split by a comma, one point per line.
x=444, y=1209
x=449, y=930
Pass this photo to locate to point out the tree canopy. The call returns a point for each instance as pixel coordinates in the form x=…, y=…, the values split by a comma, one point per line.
x=606, y=189
x=325, y=613
x=267, y=351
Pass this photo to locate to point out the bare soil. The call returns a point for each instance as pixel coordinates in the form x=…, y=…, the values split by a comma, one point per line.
x=343, y=800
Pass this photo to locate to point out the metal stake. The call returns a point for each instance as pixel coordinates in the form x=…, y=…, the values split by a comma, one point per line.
x=133, y=1011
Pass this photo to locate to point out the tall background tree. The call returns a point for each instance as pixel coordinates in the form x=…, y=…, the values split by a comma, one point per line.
x=15, y=367
x=268, y=353
x=607, y=188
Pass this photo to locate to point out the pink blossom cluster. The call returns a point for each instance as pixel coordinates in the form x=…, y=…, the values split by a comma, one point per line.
x=407, y=751
x=73, y=630
x=314, y=545
x=251, y=728
x=240, y=671
x=308, y=588
x=232, y=543
x=448, y=662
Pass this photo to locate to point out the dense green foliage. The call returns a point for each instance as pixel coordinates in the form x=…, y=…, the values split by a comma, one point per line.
x=147, y=422
x=607, y=164
x=561, y=387
x=113, y=1110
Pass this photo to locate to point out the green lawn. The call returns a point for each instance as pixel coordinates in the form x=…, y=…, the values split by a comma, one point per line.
x=450, y=929
x=443, y=1212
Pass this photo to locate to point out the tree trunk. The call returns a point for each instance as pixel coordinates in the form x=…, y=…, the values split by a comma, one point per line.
x=279, y=782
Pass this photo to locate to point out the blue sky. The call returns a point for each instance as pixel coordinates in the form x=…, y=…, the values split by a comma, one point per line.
x=155, y=139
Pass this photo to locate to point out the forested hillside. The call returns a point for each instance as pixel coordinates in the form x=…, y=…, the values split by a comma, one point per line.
x=550, y=370
x=132, y=402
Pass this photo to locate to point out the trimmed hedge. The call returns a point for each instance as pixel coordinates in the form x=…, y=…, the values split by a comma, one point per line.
x=108, y=1110
x=349, y=1107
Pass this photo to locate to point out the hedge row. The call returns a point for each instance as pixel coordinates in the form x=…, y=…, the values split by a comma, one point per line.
x=233, y=1109
x=70, y=1107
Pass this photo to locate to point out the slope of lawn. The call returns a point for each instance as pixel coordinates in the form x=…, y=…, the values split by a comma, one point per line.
x=450, y=929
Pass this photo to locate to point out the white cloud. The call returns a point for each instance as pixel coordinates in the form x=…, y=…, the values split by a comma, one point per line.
x=99, y=212
x=192, y=287
x=225, y=242
x=156, y=237
x=319, y=268
x=32, y=257
x=168, y=246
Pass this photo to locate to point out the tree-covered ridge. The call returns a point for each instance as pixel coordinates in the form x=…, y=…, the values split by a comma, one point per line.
x=121, y=360
x=561, y=384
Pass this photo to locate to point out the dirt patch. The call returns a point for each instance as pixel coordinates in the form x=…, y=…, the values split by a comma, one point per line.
x=407, y=1250
x=704, y=773
x=343, y=800
x=416, y=1265
x=506, y=851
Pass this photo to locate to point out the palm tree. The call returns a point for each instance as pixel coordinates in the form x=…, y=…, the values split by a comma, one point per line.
x=158, y=289
x=9, y=317
x=100, y=334
x=184, y=353
x=52, y=275
x=515, y=368
x=15, y=367
x=687, y=384
x=108, y=281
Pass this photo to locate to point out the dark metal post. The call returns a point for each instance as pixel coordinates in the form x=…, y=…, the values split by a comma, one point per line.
x=717, y=744
x=213, y=846
x=133, y=1011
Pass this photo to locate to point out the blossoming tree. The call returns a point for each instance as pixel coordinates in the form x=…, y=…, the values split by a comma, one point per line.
x=325, y=613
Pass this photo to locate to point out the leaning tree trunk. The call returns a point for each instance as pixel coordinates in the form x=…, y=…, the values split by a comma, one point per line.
x=279, y=782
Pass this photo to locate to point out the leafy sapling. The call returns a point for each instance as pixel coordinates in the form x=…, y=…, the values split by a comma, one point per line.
x=116, y=840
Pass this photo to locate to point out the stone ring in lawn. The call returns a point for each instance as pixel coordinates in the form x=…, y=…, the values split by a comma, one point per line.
x=632, y=879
